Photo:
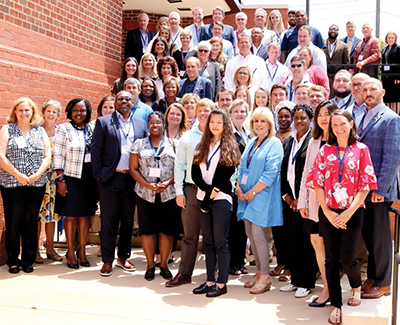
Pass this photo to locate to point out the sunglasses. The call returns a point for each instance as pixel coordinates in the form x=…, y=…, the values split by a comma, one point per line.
x=296, y=66
x=121, y=99
x=203, y=51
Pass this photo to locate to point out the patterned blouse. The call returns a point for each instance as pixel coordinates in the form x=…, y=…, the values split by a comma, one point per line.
x=358, y=173
x=166, y=162
x=25, y=154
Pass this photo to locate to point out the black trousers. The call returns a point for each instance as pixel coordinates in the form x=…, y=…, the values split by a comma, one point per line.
x=280, y=235
x=340, y=249
x=378, y=240
x=21, y=211
x=237, y=239
x=117, y=205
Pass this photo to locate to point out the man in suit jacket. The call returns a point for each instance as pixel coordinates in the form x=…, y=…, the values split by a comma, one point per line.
x=194, y=83
x=336, y=52
x=257, y=48
x=368, y=52
x=351, y=40
x=113, y=136
x=379, y=130
x=217, y=15
x=138, y=38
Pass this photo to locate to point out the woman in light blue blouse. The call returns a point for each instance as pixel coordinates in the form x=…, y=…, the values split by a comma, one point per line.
x=258, y=190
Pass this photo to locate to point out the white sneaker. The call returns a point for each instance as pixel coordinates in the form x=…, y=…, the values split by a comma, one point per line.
x=302, y=292
x=288, y=288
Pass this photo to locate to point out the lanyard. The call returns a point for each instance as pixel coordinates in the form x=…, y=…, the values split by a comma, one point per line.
x=155, y=153
x=184, y=57
x=208, y=162
x=86, y=134
x=249, y=155
x=291, y=91
x=176, y=36
x=245, y=139
x=295, y=155
x=364, y=43
x=341, y=161
x=203, y=69
x=144, y=39
x=126, y=134
x=345, y=104
x=269, y=73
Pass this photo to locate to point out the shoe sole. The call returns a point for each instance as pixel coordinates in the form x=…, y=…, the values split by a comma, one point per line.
x=177, y=285
x=385, y=294
x=125, y=269
x=105, y=274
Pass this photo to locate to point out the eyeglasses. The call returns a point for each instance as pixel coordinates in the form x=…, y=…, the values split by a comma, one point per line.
x=122, y=99
x=155, y=123
x=296, y=65
x=240, y=19
x=203, y=51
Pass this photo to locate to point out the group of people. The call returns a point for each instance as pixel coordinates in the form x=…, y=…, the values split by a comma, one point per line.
x=235, y=145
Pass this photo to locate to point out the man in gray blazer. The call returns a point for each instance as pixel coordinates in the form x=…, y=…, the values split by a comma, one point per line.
x=351, y=40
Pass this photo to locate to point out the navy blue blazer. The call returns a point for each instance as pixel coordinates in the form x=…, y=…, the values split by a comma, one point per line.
x=133, y=43
x=382, y=137
x=203, y=88
x=106, y=144
x=206, y=33
x=353, y=47
x=262, y=52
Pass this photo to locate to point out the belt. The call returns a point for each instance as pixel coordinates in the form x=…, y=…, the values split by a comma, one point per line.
x=122, y=171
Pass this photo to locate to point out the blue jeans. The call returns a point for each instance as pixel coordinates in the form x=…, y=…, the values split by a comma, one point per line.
x=215, y=226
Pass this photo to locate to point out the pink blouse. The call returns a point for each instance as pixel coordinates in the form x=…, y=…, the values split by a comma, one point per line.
x=358, y=173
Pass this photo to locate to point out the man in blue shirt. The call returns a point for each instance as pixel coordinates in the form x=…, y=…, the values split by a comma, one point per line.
x=139, y=109
x=217, y=15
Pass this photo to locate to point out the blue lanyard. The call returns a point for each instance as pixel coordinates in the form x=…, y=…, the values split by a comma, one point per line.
x=364, y=43
x=155, y=153
x=295, y=155
x=250, y=155
x=126, y=134
x=208, y=162
x=245, y=139
x=276, y=70
x=184, y=57
x=341, y=161
x=203, y=69
x=291, y=91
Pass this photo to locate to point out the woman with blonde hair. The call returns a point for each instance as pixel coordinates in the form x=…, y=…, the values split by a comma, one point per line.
x=217, y=54
x=148, y=67
x=189, y=102
x=275, y=24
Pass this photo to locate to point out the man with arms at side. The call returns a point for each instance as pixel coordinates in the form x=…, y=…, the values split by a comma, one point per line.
x=218, y=14
x=138, y=39
x=113, y=135
x=138, y=108
x=342, y=89
x=351, y=40
x=358, y=108
x=195, y=27
x=241, y=23
x=174, y=20
x=257, y=47
x=368, y=52
x=194, y=83
x=277, y=72
x=379, y=130
x=186, y=194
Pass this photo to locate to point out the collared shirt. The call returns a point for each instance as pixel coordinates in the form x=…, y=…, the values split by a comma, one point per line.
x=236, y=36
x=145, y=39
x=370, y=114
x=141, y=110
x=319, y=57
x=175, y=37
x=289, y=40
x=291, y=174
x=350, y=38
x=331, y=47
x=276, y=73
x=228, y=48
x=127, y=137
x=342, y=103
x=184, y=158
x=195, y=35
x=357, y=111
x=290, y=87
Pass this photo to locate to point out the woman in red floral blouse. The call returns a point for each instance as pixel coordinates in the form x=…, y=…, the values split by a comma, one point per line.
x=342, y=176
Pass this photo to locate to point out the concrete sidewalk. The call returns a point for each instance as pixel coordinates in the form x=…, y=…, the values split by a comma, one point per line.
x=55, y=294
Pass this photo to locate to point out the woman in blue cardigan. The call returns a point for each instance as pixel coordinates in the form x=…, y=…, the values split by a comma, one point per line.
x=258, y=190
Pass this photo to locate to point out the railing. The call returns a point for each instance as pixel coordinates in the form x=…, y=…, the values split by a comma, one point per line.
x=396, y=262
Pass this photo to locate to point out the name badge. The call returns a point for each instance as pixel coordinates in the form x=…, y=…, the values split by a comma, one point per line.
x=87, y=158
x=155, y=172
x=386, y=68
x=182, y=73
x=340, y=195
x=244, y=179
x=20, y=141
x=360, y=57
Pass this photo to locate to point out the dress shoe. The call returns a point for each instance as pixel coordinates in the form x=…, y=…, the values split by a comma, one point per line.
x=178, y=280
x=314, y=303
x=166, y=273
x=124, y=264
x=14, y=269
x=375, y=292
x=73, y=265
x=85, y=264
x=149, y=275
x=27, y=269
x=216, y=291
x=202, y=288
x=367, y=284
x=106, y=269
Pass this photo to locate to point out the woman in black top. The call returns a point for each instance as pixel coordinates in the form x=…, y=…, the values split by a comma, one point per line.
x=214, y=162
x=391, y=55
x=171, y=89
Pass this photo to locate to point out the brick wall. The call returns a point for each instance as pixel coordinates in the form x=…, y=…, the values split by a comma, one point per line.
x=59, y=50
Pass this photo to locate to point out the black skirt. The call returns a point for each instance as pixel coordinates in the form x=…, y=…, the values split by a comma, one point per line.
x=82, y=195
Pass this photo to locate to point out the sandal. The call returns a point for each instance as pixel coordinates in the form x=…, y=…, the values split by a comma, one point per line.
x=336, y=314
x=355, y=298
x=52, y=255
x=260, y=287
x=39, y=259
x=235, y=271
x=285, y=278
x=244, y=270
x=277, y=271
x=251, y=283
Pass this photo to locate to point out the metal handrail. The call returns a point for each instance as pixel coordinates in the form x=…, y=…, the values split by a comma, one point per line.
x=378, y=69
x=396, y=263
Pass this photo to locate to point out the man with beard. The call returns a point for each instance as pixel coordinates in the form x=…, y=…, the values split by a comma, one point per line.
x=195, y=27
x=291, y=19
x=336, y=52
x=378, y=130
x=342, y=89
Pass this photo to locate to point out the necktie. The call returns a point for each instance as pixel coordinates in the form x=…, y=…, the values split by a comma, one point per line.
x=349, y=45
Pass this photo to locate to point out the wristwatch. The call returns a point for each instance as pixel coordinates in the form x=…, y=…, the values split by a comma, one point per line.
x=254, y=193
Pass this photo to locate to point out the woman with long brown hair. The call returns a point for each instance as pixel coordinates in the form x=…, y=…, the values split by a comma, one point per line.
x=214, y=162
x=129, y=70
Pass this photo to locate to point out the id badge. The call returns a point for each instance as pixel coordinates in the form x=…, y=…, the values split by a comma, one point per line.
x=360, y=57
x=155, y=172
x=182, y=73
x=20, y=141
x=340, y=195
x=87, y=158
x=386, y=68
x=244, y=179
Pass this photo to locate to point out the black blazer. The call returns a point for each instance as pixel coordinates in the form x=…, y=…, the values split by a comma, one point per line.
x=133, y=43
x=240, y=142
x=221, y=180
x=159, y=105
x=300, y=162
x=106, y=144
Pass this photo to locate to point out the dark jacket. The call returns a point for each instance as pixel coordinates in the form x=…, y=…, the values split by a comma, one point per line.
x=159, y=105
x=133, y=43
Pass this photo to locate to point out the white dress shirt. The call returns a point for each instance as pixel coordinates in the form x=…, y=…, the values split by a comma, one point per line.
x=319, y=57
x=276, y=73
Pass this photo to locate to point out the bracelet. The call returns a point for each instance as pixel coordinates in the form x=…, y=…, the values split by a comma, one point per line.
x=254, y=193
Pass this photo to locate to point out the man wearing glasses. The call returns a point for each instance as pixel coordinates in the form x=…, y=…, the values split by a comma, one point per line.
x=113, y=136
x=298, y=76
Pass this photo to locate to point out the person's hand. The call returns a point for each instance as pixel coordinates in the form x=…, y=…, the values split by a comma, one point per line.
x=249, y=195
x=153, y=187
x=376, y=198
x=304, y=213
x=62, y=188
x=294, y=205
x=343, y=218
x=162, y=186
x=23, y=179
x=334, y=220
x=33, y=178
x=239, y=193
x=181, y=201
x=360, y=64
x=214, y=193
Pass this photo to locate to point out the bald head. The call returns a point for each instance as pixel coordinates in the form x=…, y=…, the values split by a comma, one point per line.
x=372, y=92
x=367, y=30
